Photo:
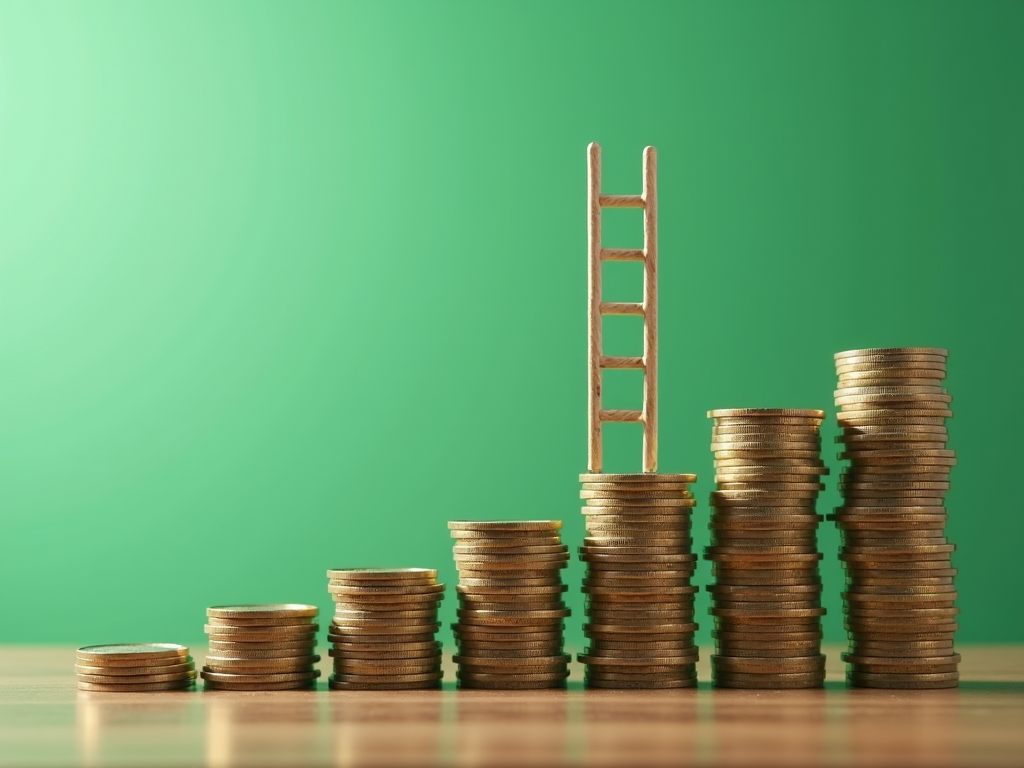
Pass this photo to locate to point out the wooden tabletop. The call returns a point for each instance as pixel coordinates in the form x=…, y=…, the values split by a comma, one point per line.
x=45, y=721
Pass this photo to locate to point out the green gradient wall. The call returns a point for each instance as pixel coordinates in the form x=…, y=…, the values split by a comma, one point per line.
x=286, y=286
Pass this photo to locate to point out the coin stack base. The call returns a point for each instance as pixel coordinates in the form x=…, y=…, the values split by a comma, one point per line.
x=511, y=612
x=766, y=598
x=900, y=597
x=261, y=647
x=384, y=628
x=639, y=559
x=135, y=668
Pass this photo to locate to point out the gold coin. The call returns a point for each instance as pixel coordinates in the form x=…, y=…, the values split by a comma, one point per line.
x=378, y=679
x=382, y=574
x=547, y=549
x=264, y=623
x=273, y=633
x=758, y=412
x=259, y=667
x=279, y=677
x=137, y=679
x=261, y=611
x=260, y=685
x=642, y=684
x=884, y=415
x=135, y=653
x=652, y=477
x=174, y=685
x=134, y=671
x=890, y=352
x=506, y=525
x=763, y=455
x=638, y=488
x=341, y=685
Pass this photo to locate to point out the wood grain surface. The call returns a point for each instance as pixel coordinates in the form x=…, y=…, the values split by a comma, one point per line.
x=45, y=721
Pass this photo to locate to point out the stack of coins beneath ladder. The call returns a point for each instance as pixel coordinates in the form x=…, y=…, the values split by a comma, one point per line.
x=639, y=558
x=510, y=617
x=766, y=596
x=899, y=598
x=384, y=628
x=135, y=667
x=261, y=647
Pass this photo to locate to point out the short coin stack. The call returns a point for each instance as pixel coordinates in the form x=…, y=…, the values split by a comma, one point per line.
x=261, y=647
x=511, y=612
x=766, y=596
x=639, y=556
x=384, y=628
x=900, y=596
x=135, y=667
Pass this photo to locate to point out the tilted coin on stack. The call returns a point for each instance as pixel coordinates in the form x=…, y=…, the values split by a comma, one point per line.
x=899, y=598
x=261, y=647
x=510, y=616
x=766, y=596
x=639, y=559
x=135, y=667
x=384, y=628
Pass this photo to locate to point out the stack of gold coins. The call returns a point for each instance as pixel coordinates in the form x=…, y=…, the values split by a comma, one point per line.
x=639, y=557
x=135, y=667
x=510, y=617
x=384, y=628
x=261, y=647
x=900, y=596
x=766, y=596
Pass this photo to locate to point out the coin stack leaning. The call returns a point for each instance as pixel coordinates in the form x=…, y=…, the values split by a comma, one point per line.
x=261, y=647
x=384, y=629
x=511, y=612
x=639, y=559
x=899, y=598
x=135, y=667
x=766, y=595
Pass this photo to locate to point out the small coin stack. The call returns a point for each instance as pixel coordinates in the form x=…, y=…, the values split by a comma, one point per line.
x=261, y=647
x=639, y=556
x=899, y=599
x=384, y=629
x=766, y=596
x=510, y=617
x=135, y=667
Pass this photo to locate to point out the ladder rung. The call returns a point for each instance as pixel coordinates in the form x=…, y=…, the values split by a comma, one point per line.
x=622, y=308
x=621, y=362
x=622, y=201
x=620, y=415
x=622, y=254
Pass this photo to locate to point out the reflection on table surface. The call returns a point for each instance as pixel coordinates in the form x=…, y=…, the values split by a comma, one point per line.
x=45, y=721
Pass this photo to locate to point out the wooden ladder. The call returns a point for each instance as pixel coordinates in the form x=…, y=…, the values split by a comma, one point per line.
x=647, y=309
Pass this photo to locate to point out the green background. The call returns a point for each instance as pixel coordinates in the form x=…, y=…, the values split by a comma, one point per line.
x=286, y=286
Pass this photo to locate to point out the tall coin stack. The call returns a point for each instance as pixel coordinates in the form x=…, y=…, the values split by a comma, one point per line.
x=384, y=628
x=639, y=556
x=261, y=647
x=899, y=598
x=766, y=596
x=510, y=617
x=135, y=667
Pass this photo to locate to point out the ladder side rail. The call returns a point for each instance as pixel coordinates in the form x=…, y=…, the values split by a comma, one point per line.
x=594, y=353
x=650, y=305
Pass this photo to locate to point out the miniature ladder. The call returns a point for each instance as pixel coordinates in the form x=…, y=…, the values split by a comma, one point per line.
x=648, y=308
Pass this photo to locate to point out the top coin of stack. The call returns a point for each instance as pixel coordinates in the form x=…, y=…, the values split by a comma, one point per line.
x=767, y=591
x=261, y=647
x=639, y=557
x=509, y=632
x=384, y=628
x=135, y=667
x=899, y=599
